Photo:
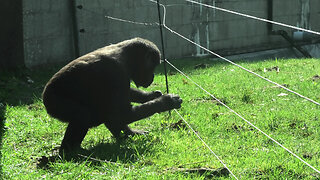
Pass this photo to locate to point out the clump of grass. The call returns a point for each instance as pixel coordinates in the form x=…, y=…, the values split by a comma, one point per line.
x=29, y=133
x=246, y=98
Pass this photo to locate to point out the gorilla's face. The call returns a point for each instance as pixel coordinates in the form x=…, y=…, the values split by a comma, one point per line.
x=147, y=81
x=144, y=72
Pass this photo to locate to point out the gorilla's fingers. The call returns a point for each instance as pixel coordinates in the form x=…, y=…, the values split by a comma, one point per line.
x=157, y=94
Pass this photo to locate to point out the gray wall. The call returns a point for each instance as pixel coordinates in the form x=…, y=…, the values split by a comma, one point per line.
x=49, y=36
x=47, y=32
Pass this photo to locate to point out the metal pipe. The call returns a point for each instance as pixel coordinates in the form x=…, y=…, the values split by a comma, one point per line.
x=282, y=33
x=285, y=35
x=162, y=44
x=75, y=31
x=270, y=15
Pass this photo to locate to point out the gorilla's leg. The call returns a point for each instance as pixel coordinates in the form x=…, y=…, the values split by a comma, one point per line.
x=160, y=104
x=73, y=137
x=116, y=130
x=79, y=117
x=128, y=131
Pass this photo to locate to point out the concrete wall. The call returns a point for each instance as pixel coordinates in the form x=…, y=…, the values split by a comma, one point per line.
x=228, y=33
x=49, y=35
x=97, y=30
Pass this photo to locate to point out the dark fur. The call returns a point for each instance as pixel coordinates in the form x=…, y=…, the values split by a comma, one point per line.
x=95, y=89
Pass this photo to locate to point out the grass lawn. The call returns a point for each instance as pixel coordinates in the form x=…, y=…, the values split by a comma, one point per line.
x=171, y=150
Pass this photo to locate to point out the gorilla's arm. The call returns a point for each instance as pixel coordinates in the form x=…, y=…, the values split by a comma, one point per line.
x=139, y=96
x=161, y=104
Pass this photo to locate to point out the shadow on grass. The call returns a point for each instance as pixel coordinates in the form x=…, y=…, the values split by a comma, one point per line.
x=20, y=87
x=122, y=151
x=24, y=86
x=118, y=153
x=125, y=153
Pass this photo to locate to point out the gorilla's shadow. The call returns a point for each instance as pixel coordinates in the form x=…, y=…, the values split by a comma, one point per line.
x=119, y=152
x=125, y=151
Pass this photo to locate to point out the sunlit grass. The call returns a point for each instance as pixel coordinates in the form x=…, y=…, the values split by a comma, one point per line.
x=30, y=133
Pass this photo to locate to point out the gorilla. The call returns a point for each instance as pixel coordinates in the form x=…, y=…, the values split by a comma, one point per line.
x=95, y=89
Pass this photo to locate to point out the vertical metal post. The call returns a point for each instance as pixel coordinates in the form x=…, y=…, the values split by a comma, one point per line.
x=270, y=15
x=75, y=31
x=162, y=44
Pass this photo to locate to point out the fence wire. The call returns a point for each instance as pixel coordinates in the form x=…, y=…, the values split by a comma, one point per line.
x=223, y=58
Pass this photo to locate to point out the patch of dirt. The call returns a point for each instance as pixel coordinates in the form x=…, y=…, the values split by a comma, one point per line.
x=201, y=66
x=275, y=68
x=207, y=99
x=208, y=172
x=178, y=125
x=316, y=78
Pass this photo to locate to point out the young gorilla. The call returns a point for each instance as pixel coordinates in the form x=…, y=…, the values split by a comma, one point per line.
x=95, y=89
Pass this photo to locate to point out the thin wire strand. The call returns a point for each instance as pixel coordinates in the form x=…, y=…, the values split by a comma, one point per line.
x=251, y=124
x=218, y=99
x=163, y=23
x=232, y=109
x=148, y=24
x=219, y=56
x=225, y=59
x=132, y=22
x=254, y=17
x=195, y=132
x=241, y=67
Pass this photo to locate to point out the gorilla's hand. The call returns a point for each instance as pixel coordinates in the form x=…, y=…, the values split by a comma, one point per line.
x=170, y=101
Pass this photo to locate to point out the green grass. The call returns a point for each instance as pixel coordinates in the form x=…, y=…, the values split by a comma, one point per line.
x=29, y=133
